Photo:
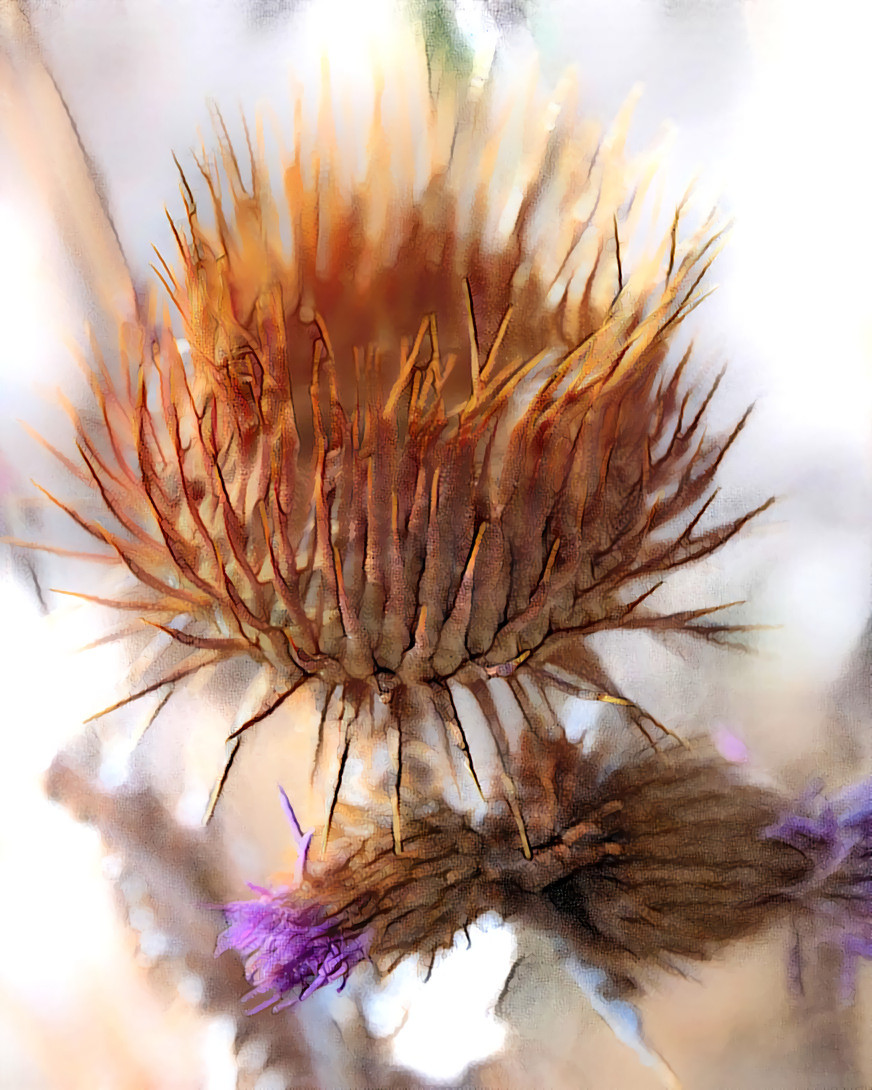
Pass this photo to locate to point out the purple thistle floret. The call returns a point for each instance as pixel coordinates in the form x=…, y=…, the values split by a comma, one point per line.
x=291, y=950
x=301, y=840
x=836, y=834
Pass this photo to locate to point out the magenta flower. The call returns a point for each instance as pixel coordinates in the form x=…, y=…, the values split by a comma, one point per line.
x=291, y=949
x=291, y=952
x=837, y=835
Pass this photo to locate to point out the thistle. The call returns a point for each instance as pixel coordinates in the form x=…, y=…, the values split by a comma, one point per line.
x=635, y=870
x=434, y=444
x=650, y=866
x=437, y=440
x=644, y=868
x=290, y=953
x=835, y=902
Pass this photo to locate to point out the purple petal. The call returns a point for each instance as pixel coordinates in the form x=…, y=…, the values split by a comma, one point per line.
x=302, y=856
x=291, y=950
x=291, y=816
x=836, y=835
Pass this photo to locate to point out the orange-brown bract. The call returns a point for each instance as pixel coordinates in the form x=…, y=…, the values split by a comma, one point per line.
x=437, y=440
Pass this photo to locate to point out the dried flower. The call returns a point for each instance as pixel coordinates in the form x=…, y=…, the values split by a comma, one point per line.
x=291, y=950
x=694, y=870
x=441, y=440
x=455, y=463
x=645, y=867
x=835, y=835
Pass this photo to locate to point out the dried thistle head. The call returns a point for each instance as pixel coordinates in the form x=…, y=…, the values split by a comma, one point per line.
x=437, y=439
x=636, y=868
x=651, y=866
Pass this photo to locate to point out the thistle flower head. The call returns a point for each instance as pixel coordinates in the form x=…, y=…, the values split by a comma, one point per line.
x=291, y=950
x=649, y=866
x=836, y=837
x=683, y=866
x=439, y=439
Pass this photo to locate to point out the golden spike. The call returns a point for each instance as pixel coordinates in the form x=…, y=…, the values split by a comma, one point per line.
x=335, y=796
x=231, y=750
x=450, y=647
x=495, y=347
x=406, y=366
x=512, y=799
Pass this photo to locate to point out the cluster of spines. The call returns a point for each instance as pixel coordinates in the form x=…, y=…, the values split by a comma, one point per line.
x=392, y=514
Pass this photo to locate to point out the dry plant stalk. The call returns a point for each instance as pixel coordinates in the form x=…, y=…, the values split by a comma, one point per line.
x=183, y=872
x=434, y=441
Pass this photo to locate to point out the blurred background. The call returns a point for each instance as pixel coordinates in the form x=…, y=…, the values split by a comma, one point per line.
x=105, y=981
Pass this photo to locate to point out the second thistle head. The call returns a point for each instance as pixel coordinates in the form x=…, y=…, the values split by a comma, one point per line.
x=648, y=867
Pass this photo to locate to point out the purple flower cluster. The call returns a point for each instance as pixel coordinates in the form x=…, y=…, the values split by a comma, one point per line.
x=836, y=834
x=290, y=950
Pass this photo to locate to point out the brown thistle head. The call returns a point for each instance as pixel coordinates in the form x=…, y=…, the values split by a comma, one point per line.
x=436, y=440
x=651, y=866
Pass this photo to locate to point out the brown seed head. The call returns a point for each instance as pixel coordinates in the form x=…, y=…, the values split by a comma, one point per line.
x=648, y=867
x=429, y=442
